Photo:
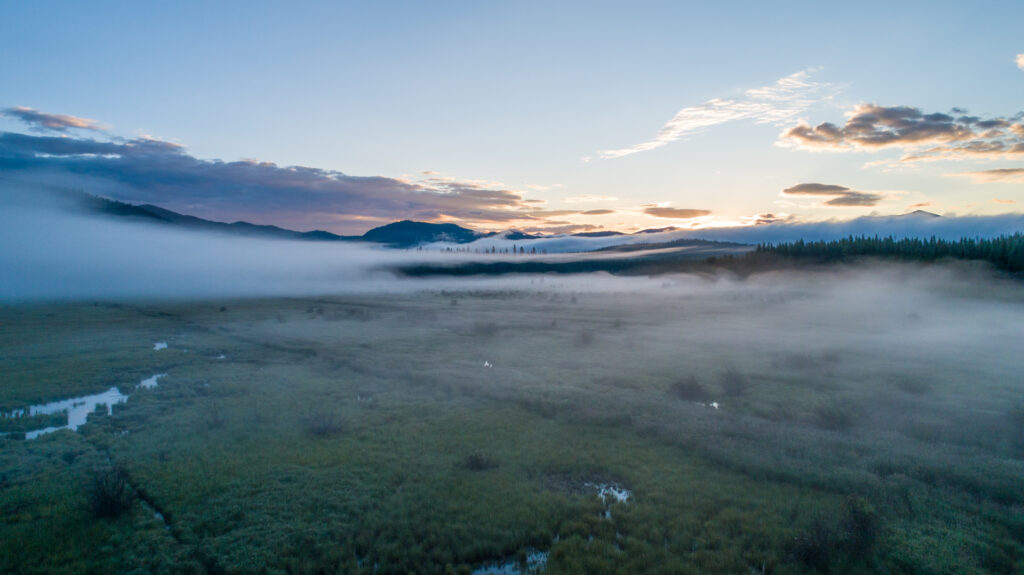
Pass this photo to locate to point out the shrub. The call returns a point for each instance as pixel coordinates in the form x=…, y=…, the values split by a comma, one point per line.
x=859, y=525
x=829, y=542
x=478, y=461
x=689, y=389
x=733, y=382
x=109, y=493
x=324, y=424
x=816, y=546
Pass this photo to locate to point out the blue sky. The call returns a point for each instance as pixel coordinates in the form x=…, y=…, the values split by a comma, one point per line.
x=528, y=114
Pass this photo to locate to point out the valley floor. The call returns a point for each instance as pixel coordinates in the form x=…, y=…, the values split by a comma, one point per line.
x=845, y=421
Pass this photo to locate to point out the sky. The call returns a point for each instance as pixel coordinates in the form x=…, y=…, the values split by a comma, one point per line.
x=540, y=116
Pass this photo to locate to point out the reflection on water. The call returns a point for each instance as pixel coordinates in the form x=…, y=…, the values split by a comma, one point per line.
x=79, y=408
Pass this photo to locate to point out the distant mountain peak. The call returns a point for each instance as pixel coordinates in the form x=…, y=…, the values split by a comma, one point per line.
x=920, y=214
x=408, y=233
x=657, y=230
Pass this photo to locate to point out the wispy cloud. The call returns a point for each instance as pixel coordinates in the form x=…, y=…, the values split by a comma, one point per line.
x=1020, y=61
x=43, y=122
x=774, y=104
x=841, y=196
x=922, y=137
x=1014, y=175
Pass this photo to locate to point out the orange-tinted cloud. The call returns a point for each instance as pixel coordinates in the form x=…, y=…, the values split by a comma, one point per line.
x=41, y=121
x=923, y=136
x=996, y=175
x=675, y=213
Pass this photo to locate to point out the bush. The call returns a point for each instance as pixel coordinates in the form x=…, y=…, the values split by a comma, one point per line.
x=109, y=493
x=733, y=382
x=478, y=461
x=860, y=525
x=830, y=542
x=815, y=547
x=689, y=389
x=324, y=424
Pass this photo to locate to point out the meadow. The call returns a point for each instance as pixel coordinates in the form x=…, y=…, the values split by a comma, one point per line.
x=852, y=419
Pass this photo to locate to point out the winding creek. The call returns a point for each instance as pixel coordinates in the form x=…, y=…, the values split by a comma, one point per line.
x=78, y=408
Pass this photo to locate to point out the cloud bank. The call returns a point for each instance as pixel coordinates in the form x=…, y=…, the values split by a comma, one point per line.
x=770, y=228
x=144, y=170
x=922, y=137
x=906, y=226
x=775, y=104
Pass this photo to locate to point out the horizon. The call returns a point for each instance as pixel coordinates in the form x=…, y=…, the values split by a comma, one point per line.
x=754, y=131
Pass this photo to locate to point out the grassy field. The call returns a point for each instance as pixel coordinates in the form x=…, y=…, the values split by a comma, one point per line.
x=843, y=422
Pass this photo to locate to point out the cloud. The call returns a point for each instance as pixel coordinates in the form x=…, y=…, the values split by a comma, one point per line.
x=145, y=170
x=922, y=226
x=841, y=195
x=1020, y=61
x=767, y=218
x=41, y=121
x=1000, y=201
x=773, y=228
x=1015, y=175
x=675, y=213
x=858, y=199
x=922, y=137
x=597, y=212
x=775, y=104
x=813, y=189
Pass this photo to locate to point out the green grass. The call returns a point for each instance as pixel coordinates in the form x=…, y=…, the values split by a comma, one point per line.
x=345, y=433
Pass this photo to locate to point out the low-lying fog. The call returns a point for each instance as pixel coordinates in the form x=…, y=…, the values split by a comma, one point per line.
x=898, y=382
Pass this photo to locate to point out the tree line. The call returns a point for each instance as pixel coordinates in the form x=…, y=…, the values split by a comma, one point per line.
x=1005, y=252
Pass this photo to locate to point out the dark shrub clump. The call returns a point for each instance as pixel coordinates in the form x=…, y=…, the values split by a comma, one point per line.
x=478, y=461
x=839, y=542
x=109, y=493
x=733, y=382
x=324, y=424
x=689, y=389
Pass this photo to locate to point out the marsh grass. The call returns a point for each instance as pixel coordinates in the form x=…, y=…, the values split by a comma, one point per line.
x=377, y=440
x=837, y=415
x=23, y=423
